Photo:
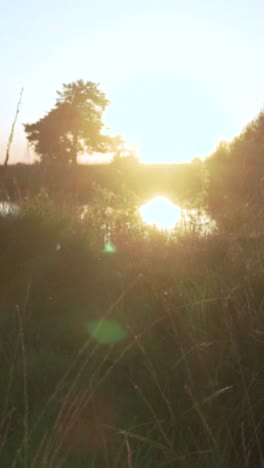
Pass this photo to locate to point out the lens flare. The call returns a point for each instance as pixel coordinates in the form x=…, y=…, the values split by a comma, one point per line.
x=109, y=248
x=106, y=331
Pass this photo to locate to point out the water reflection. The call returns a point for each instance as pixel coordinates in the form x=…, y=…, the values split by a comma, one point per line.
x=7, y=207
x=160, y=212
x=164, y=214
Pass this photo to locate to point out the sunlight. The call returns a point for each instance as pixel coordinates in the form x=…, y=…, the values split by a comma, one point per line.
x=160, y=212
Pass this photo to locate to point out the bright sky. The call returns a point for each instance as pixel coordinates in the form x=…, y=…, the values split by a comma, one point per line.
x=181, y=74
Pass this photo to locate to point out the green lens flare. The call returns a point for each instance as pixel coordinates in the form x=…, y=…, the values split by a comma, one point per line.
x=109, y=248
x=106, y=331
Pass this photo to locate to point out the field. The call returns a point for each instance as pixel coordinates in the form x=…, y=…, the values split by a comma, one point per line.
x=149, y=354
x=132, y=234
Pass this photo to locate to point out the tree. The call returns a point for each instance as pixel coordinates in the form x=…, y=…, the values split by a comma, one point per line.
x=73, y=127
x=123, y=157
x=197, y=162
x=236, y=172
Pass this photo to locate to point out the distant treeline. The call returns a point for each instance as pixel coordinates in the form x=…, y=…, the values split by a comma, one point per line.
x=182, y=182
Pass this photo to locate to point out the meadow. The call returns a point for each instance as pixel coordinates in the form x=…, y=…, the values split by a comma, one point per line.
x=146, y=354
x=125, y=344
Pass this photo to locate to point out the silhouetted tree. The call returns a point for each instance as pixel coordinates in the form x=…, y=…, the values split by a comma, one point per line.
x=236, y=171
x=123, y=157
x=73, y=127
x=197, y=162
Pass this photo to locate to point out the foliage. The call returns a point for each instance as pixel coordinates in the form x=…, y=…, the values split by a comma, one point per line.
x=174, y=376
x=123, y=157
x=236, y=172
x=73, y=127
x=146, y=352
x=183, y=183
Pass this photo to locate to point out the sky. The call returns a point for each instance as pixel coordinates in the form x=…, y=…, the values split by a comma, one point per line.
x=181, y=75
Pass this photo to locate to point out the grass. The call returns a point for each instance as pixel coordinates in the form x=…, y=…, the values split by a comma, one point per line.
x=147, y=357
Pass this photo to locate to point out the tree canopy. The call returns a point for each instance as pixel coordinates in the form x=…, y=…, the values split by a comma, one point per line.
x=73, y=127
x=236, y=174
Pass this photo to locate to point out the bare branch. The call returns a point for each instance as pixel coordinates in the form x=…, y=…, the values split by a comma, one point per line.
x=11, y=136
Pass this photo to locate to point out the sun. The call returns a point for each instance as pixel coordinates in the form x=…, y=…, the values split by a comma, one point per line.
x=161, y=212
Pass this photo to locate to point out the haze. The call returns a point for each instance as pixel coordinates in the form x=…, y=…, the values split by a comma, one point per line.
x=181, y=76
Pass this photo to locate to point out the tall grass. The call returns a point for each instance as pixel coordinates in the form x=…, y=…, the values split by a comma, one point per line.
x=149, y=356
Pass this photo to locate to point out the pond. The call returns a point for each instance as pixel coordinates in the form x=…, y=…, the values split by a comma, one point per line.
x=160, y=212
x=7, y=207
x=165, y=215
